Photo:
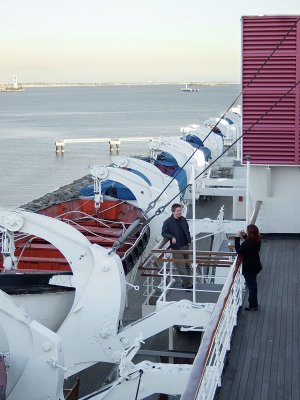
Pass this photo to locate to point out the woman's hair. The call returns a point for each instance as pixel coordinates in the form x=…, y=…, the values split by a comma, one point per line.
x=253, y=233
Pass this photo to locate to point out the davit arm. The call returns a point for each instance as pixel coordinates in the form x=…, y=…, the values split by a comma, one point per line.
x=32, y=354
x=89, y=332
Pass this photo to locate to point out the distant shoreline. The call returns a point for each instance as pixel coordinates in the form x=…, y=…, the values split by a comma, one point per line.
x=194, y=84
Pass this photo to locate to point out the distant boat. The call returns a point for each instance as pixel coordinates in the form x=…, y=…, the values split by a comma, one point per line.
x=189, y=89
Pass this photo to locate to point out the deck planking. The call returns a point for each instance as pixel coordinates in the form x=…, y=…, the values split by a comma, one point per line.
x=263, y=362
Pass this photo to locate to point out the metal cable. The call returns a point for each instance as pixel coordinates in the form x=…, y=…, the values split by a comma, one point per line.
x=254, y=76
x=138, y=387
x=152, y=203
x=162, y=208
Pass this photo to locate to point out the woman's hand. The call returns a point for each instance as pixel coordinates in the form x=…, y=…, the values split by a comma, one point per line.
x=240, y=234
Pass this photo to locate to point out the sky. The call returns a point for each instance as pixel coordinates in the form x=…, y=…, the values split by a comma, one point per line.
x=126, y=41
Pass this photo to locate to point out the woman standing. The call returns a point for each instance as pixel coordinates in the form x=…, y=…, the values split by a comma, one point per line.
x=251, y=265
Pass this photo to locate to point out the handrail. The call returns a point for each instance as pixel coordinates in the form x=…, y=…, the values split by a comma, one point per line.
x=194, y=383
x=203, y=258
x=203, y=262
x=200, y=252
x=159, y=248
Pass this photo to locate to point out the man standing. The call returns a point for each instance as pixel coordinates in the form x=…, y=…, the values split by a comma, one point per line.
x=176, y=229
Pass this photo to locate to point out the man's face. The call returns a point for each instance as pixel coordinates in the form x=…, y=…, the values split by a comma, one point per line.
x=177, y=213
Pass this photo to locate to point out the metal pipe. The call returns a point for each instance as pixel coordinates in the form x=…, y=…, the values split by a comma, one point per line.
x=247, y=188
x=132, y=228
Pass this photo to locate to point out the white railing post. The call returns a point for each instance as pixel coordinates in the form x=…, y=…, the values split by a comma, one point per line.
x=204, y=394
x=228, y=319
x=218, y=361
x=213, y=356
x=165, y=281
x=147, y=290
x=194, y=265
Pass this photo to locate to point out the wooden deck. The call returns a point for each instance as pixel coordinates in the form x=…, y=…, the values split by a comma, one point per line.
x=264, y=361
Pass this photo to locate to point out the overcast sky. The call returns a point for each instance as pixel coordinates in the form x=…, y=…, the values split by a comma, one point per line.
x=126, y=41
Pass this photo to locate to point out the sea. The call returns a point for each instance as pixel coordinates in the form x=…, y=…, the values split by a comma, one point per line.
x=32, y=121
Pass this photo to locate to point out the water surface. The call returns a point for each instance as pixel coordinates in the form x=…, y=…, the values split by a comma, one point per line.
x=31, y=122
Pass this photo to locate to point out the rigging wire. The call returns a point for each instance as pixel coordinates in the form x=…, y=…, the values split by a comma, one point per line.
x=255, y=75
x=138, y=387
x=152, y=203
x=162, y=208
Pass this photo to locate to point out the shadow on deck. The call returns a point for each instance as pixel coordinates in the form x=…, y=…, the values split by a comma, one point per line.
x=264, y=361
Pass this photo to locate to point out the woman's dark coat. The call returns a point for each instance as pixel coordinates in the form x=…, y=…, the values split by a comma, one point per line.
x=249, y=250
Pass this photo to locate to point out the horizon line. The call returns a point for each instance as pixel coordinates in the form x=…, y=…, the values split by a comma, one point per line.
x=202, y=83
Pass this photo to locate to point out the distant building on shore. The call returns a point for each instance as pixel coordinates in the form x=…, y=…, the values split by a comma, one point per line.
x=14, y=87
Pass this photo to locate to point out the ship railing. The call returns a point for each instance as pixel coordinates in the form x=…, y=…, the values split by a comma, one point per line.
x=149, y=270
x=208, y=365
x=209, y=264
x=212, y=268
x=60, y=143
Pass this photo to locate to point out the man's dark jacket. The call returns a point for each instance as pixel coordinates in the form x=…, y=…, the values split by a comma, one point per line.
x=171, y=229
x=249, y=250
